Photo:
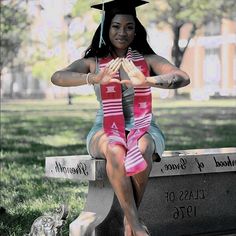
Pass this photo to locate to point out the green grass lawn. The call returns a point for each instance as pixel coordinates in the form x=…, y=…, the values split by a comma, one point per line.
x=32, y=130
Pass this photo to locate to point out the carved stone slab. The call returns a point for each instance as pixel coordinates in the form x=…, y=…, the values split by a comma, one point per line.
x=200, y=151
x=190, y=192
x=83, y=225
x=186, y=162
x=81, y=167
x=195, y=164
x=201, y=204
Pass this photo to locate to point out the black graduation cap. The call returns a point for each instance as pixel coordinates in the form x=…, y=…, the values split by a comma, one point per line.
x=120, y=6
x=116, y=7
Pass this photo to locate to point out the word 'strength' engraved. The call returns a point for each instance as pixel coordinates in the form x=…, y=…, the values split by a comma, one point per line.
x=80, y=169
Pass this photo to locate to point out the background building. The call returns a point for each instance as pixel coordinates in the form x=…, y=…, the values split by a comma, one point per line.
x=55, y=40
x=210, y=61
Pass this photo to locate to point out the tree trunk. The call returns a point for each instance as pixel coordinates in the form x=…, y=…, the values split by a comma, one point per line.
x=1, y=89
x=176, y=52
x=13, y=80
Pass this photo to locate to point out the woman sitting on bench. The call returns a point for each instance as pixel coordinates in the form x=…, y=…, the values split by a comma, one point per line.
x=122, y=68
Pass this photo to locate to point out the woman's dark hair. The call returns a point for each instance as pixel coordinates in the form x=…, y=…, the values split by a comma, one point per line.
x=139, y=43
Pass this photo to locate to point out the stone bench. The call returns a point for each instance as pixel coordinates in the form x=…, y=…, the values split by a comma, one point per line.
x=190, y=192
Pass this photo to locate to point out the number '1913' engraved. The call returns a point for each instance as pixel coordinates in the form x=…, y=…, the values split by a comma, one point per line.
x=181, y=212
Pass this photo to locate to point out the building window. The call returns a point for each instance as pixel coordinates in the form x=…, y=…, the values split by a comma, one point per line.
x=213, y=28
x=212, y=70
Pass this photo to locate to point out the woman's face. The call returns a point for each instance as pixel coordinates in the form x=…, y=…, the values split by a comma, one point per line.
x=122, y=31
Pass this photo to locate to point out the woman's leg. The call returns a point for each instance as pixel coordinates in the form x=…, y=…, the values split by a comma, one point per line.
x=121, y=184
x=139, y=181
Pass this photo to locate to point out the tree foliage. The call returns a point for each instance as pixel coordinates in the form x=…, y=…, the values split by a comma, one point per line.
x=45, y=68
x=90, y=18
x=198, y=13
x=14, y=24
x=81, y=7
x=176, y=14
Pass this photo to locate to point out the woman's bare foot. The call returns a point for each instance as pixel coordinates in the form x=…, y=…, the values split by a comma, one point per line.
x=127, y=228
x=144, y=231
x=141, y=232
x=144, y=227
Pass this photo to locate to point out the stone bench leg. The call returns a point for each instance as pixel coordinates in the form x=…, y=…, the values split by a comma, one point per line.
x=102, y=214
x=83, y=225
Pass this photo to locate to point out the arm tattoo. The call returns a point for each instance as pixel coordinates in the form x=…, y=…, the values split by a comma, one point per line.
x=169, y=81
x=175, y=82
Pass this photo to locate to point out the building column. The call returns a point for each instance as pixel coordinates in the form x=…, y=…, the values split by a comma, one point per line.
x=228, y=84
x=197, y=80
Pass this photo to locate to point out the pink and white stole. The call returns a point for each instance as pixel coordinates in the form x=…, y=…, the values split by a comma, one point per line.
x=114, y=122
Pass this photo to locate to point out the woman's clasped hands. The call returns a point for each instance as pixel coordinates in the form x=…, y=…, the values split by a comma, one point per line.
x=108, y=74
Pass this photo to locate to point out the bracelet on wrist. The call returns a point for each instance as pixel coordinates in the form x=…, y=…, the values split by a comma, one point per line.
x=88, y=80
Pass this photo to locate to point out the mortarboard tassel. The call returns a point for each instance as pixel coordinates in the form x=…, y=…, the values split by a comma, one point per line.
x=101, y=40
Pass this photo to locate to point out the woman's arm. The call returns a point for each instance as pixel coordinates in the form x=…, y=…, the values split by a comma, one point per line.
x=82, y=72
x=75, y=74
x=168, y=76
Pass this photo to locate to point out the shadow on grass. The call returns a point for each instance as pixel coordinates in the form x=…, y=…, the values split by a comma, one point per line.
x=11, y=222
x=28, y=139
x=198, y=127
x=28, y=196
x=29, y=135
x=35, y=153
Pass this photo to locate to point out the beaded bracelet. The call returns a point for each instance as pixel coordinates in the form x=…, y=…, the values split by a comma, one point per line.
x=87, y=79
